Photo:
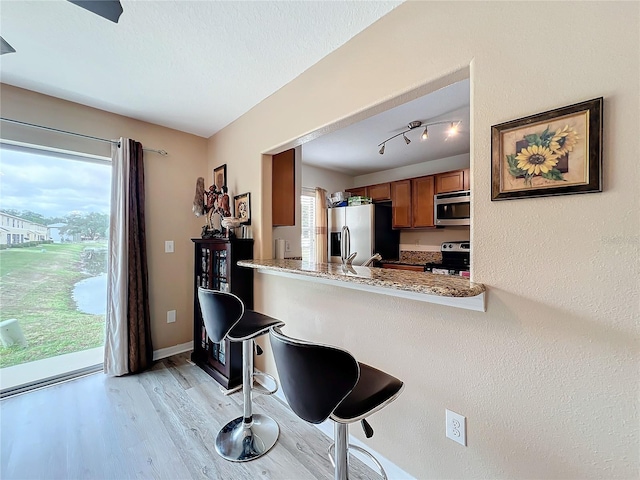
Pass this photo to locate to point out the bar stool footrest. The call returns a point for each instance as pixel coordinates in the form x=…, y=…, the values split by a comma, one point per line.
x=258, y=388
x=381, y=470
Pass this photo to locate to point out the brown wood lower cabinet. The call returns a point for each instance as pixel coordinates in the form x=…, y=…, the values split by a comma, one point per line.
x=397, y=266
x=216, y=268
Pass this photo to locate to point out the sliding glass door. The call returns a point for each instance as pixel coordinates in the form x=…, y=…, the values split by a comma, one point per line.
x=54, y=221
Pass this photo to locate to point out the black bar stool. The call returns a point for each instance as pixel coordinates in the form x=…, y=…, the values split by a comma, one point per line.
x=252, y=435
x=321, y=382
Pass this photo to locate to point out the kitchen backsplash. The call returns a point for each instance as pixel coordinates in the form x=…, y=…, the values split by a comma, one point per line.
x=418, y=257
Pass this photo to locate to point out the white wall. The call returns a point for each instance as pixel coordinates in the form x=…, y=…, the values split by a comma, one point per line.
x=548, y=376
x=330, y=180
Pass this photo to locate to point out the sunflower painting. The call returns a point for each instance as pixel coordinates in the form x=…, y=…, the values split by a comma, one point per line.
x=552, y=153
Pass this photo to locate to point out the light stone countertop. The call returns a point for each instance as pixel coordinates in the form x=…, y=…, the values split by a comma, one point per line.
x=398, y=280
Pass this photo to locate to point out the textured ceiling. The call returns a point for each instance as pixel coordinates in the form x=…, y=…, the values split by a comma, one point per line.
x=194, y=66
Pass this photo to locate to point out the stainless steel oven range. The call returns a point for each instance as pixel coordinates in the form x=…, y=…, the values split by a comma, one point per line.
x=455, y=259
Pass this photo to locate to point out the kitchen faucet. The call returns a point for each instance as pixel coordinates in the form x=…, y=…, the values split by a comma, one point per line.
x=347, y=266
x=375, y=257
x=349, y=260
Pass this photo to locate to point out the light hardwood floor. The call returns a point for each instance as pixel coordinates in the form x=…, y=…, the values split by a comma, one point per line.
x=160, y=424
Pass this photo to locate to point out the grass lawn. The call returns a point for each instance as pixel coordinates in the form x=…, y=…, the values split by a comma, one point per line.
x=36, y=287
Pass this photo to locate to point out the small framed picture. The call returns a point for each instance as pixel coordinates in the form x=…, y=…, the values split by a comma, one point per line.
x=220, y=176
x=242, y=208
x=558, y=152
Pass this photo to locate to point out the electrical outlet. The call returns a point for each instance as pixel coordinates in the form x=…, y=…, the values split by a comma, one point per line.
x=168, y=246
x=456, y=427
x=171, y=316
x=287, y=246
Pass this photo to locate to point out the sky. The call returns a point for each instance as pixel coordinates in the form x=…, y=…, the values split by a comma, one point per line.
x=52, y=186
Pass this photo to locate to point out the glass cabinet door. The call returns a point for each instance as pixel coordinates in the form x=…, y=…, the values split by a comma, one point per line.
x=220, y=280
x=213, y=276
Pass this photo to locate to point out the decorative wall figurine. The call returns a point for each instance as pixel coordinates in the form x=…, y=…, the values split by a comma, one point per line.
x=199, y=207
x=224, y=208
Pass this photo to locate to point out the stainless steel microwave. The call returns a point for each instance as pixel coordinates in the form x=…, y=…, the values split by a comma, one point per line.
x=452, y=208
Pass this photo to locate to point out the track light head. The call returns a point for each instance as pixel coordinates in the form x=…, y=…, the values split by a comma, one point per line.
x=6, y=48
x=453, y=129
x=425, y=134
x=406, y=140
x=381, y=151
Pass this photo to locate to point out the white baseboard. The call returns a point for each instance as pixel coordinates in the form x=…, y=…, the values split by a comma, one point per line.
x=393, y=471
x=167, y=352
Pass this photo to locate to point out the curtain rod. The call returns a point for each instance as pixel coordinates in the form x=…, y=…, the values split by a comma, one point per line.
x=98, y=139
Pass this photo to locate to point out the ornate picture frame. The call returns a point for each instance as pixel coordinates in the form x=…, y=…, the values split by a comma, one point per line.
x=220, y=174
x=558, y=152
x=242, y=208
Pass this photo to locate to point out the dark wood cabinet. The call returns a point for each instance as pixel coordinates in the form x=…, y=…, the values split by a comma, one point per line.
x=358, y=191
x=450, y=181
x=215, y=268
x=379, y=193
x=283, y=189
x=422, y=191
x=401, y=204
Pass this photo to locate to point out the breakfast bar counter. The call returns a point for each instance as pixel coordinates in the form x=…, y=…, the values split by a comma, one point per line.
x=441, y=289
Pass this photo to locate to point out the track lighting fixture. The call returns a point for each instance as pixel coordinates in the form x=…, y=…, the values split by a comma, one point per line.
x=453, y=129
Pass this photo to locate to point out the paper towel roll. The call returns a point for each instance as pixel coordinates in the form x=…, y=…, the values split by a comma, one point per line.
x=279, y=248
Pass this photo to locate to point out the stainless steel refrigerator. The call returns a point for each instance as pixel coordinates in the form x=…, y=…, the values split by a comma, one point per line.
x=367, y=229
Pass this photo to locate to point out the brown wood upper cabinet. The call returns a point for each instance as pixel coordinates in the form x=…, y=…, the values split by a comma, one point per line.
x=357, y=191
x=422, y=189
x=467, y=181
x=283, y=189
x=450, y=181
x=379, y=193
x=401, y=204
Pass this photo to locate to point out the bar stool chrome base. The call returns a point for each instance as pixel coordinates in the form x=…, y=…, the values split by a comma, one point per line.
x=240, y=442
